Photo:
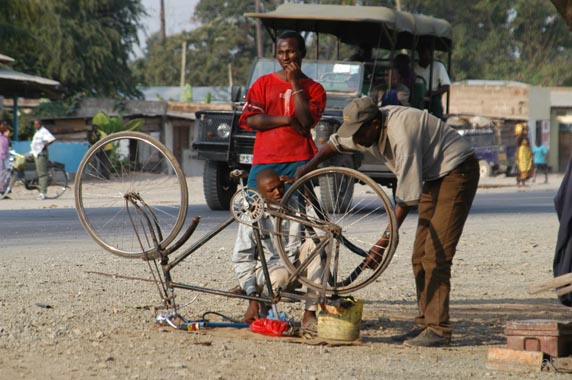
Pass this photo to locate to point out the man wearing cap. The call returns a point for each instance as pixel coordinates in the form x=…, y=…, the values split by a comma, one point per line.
x=435, y=169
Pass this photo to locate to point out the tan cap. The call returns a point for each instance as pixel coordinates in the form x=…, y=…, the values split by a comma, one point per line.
x=357, y=112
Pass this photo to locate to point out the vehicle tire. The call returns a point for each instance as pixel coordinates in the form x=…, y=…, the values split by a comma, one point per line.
x=337, y=192
x=137, y=202
x=57, y=181
x=485, y=169
x=218, y=188
x=342, y=240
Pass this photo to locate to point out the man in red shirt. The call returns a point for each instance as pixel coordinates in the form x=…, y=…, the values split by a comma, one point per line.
x=282, y=107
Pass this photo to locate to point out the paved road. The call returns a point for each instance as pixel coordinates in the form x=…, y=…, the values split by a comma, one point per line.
x=43, y=226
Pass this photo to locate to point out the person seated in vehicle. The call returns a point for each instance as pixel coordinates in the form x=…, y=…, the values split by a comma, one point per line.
x=362, y=54
x=249, y=269
x=440, y=81
x=400, y=79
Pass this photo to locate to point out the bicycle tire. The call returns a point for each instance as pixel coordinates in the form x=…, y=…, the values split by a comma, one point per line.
x=6, y=180
x=137, y=165
x=347, y=231
x=57, y=181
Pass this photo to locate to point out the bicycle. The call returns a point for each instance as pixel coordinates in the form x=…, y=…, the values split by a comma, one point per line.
x=146, y=197
x=22, y=171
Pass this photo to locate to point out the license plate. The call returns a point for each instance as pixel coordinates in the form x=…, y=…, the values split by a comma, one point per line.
x=245, y=158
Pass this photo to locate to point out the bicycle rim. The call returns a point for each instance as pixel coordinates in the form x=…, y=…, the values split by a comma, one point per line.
x=346, y=229
x=125, y=167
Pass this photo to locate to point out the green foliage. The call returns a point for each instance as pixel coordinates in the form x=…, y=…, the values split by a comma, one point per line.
x=113, y=124
x=84, y=44
x=522, y=40
x=225, y=37
x=208, y=97
x=187, y=95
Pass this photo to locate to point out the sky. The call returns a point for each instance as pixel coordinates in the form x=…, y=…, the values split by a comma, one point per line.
x=178, y=15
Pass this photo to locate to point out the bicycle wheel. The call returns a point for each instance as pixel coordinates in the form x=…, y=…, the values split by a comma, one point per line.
x=5, y=182
x=343, y=232
x=57, y=180
x=128, y=188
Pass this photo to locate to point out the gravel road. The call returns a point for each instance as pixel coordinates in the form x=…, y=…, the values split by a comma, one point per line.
x=60, y=320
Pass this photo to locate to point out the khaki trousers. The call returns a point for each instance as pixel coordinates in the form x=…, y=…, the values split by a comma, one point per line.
x=443, y=210
x=280, y=277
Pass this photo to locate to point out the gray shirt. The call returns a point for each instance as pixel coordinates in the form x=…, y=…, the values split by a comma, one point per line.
x=416, y=146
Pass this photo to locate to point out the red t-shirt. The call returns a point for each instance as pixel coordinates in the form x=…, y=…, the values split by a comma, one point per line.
x=272, y=95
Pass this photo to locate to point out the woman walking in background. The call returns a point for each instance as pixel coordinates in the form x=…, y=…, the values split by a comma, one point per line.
x=523, y=160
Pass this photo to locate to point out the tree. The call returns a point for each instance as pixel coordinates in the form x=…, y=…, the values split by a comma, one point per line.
x=564, y=7
x=224, y=36
x=504, y=40
x=84, y=44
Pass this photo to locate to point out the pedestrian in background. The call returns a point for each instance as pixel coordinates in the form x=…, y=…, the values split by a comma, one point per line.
x=523, y=160
x=39, y=150
x=4, y=150
x=539, y=152
x=103, y=155
x=4, y=145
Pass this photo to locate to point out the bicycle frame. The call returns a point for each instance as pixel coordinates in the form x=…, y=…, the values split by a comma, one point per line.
x=168, y=285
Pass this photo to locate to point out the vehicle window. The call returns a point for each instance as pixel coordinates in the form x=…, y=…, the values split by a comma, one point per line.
x=336, y=77
x=478, y=138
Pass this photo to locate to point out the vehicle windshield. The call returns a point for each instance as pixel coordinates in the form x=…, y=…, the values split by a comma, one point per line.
x=478, y=137
x=343, y=78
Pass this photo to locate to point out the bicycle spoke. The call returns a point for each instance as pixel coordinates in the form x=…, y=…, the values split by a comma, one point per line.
x=352, y=211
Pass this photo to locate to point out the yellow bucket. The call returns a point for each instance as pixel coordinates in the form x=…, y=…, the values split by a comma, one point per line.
x=340, y=323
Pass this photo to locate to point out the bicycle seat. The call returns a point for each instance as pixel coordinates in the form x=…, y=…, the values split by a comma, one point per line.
x=237, y=173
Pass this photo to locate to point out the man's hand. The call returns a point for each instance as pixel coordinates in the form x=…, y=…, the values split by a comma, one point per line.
x=375, y=255
x=252, y=312
x=302, y=170
x=285, y=179
x=293, y=72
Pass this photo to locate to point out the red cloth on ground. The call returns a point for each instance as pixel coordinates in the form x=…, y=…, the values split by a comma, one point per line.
x=269, y=327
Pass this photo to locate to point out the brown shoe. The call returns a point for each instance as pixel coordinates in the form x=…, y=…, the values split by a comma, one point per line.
x=428, y=338
x=408, y=335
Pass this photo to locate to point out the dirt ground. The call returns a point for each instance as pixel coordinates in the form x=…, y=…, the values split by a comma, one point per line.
x=59, y=320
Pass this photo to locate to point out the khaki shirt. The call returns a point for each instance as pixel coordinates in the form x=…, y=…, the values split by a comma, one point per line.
x=416, y=146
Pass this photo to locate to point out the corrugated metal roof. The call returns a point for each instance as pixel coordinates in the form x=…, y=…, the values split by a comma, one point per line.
x=6, y=59
x=17, y=84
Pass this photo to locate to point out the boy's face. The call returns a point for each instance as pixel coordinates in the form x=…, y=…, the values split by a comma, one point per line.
x=271, y=189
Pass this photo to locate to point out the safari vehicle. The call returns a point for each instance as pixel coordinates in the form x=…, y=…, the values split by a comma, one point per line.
x=224, y=146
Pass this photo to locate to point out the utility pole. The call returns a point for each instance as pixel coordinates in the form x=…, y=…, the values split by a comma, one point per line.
x=162, y=21
x=183, y=64
x=258, y=34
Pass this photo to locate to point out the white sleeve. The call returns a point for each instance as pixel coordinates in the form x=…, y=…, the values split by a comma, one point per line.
x=442, y=75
